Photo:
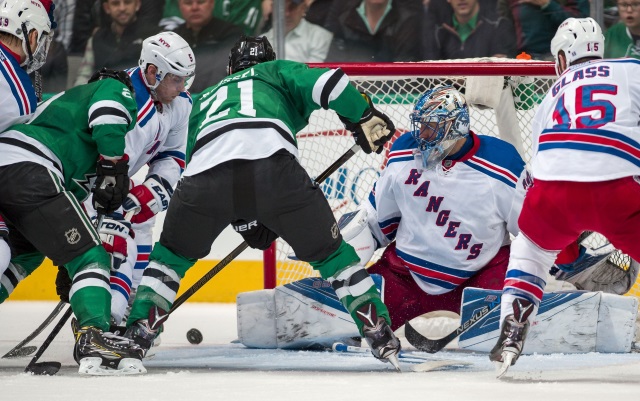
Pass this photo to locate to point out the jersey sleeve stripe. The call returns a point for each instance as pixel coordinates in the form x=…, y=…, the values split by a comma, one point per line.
x=400, y=156
x=328, y=87
x=178, y=157
x=492, y=170
x=17, y=89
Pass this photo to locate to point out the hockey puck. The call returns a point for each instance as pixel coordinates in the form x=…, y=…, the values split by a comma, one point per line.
x=194, y=336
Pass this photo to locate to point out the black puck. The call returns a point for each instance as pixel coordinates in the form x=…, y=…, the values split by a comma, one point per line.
x=194, y=336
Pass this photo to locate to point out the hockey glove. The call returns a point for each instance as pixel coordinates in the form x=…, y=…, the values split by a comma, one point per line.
x=373, y=130
x=256, y=234
x=114, y=232
x=112, y=184
x=63, y=284
x=148, y=199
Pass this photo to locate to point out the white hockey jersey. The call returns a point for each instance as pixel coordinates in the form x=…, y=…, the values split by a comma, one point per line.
x=18, y=101
x=160, y=138
x=448, y=223
x=587, y=127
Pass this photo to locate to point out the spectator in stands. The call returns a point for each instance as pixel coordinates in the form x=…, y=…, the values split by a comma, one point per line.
x=89, y=15
x=374, y=30
x=536, y=21
x=304, y=42
x=210, y=38
x=467, y=31
x=118, y=45
x=623, y=39
x=249, y=14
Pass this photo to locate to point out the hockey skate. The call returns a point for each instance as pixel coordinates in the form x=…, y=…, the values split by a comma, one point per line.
x=376, y=331
x=145, y=332
x=512, y=336
x=105, y=354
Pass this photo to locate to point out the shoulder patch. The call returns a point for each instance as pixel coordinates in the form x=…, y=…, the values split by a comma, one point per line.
x=402, y=149
x=497, y=159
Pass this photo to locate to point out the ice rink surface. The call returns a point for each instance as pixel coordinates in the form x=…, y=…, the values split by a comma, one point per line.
x=218, y=369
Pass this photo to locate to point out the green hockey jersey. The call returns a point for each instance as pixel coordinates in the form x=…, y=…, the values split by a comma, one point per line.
x=71, y=130
x=255, y=112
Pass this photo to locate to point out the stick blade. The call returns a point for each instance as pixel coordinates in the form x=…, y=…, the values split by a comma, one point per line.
x=21, y=352
x=421, y=342
x=43, y=368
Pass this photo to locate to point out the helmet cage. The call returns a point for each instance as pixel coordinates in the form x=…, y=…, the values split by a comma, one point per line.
x=440, y=117
x=21, y=17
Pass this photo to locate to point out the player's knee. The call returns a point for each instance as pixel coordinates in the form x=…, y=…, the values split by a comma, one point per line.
x=339, y=259
x=163, y=255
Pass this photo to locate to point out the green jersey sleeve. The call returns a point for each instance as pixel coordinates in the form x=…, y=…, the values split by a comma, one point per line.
x=112, y=113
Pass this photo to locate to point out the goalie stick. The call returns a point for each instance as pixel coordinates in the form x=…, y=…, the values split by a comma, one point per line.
x=432, y=346
x=22, y=349
x=163, y=316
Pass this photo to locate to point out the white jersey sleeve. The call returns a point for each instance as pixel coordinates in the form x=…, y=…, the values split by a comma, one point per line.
x=18, y=101
x=586, y=128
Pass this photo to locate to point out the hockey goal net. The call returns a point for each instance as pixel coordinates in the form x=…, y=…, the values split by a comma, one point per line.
x=503, y=96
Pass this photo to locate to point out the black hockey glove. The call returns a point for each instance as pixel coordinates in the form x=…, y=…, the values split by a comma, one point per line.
x=63, y=284
x=373, y=130
x=112, y=184
x=256, y=234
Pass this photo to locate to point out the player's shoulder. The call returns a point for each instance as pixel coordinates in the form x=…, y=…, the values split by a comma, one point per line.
x=402, y=149
x=16, y=81
x=498, y=159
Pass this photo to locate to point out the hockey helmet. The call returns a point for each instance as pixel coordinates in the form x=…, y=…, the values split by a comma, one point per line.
x=171, y=54
x=19, y=17
x=249, y=51
x=577, y=38
x=121, y=76
x=439, y=118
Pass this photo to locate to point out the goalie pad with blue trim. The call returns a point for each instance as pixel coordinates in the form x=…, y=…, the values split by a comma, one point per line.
x=304, y=314
x=567, y=322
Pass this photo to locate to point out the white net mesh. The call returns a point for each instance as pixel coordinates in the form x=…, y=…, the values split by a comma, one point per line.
x=325, y=139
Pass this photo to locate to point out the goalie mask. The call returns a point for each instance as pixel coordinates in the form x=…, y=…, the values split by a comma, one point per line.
x=171, y=54
x=439, y=119
x=249, y=51
x=19, y=18
x=577, y=38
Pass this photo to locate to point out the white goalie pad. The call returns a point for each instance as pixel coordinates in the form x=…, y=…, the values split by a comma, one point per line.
x=299, y=315
x=567, y=322
x=354, y=228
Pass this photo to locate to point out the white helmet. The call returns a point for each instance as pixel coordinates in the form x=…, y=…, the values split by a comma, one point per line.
x=578, y=38
x=171, y=54
x=18, y=18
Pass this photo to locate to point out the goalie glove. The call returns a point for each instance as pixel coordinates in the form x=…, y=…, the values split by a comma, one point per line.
x=114, y=232
x=148, y=199
x=112, y=184
x=373, y=130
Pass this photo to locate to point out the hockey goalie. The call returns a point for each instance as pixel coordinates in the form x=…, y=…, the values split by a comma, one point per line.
x=445, y=208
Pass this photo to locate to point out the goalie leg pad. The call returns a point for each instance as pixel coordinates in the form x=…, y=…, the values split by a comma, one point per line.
x=355, y=231
x=567, y=322
x=301, y=315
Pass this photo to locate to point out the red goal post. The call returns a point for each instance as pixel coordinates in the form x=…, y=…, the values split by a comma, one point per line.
x=502, y=94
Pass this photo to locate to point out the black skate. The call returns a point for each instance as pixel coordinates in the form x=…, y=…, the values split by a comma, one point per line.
x=512, y=336
x=105, y=354
x=376, y=331
x=144, y=331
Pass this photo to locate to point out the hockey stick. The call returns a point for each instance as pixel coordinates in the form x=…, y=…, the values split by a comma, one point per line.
x=21, y=349
x=234, y=254
x=432, y=346
x=48, y=368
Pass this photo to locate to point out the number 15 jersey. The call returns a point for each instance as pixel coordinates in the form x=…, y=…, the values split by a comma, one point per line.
x=587, y=127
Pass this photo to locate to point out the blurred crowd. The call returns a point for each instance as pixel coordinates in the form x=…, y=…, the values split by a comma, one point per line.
x=109, y=33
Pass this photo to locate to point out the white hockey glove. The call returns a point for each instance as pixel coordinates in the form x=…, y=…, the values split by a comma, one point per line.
x=114, y=232
x=148, y=199
x=373, y=130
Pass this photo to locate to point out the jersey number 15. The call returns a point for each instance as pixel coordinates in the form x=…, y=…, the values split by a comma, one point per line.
x=586, y=104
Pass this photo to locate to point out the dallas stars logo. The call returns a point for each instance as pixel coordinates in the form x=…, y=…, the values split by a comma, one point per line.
x=86, y=184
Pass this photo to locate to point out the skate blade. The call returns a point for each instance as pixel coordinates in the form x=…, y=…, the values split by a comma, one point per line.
x=154, y=348
x=507, y=358
x=127, y=366
x=393, y=359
